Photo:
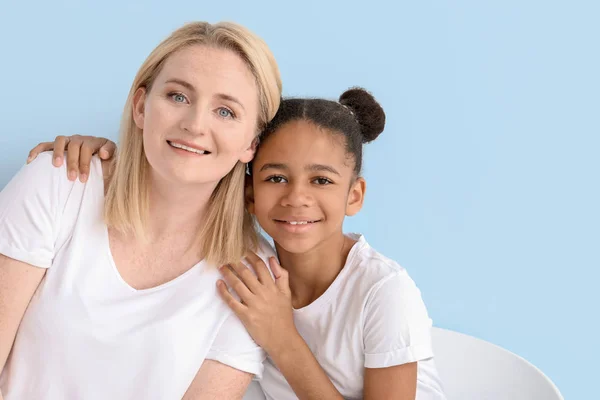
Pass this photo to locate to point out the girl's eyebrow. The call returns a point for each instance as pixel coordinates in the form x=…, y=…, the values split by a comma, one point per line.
x=310, y=167
x=322, y=168
x=273, y=166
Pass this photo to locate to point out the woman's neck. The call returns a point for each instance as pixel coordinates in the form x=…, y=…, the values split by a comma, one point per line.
x=311, y=273
x=176, y=209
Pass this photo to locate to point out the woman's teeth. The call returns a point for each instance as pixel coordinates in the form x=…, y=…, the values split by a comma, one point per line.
x=184, y=147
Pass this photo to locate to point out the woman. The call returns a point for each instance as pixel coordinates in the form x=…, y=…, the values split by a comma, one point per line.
x=108, y=288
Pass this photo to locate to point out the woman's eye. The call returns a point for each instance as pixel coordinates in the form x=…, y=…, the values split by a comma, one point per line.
x=276, y=179
x=322, y=181
x=225, y=113
x=178, y=98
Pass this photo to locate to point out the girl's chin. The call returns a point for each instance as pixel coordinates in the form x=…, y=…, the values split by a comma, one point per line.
x=296, y=246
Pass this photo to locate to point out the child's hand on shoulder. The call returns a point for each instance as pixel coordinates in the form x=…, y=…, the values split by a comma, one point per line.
x=265, y=308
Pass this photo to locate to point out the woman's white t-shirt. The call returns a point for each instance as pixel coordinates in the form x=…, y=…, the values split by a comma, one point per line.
x=372, y=316
x=87, y=334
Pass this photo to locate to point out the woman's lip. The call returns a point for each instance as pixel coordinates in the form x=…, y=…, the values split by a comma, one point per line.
x=188, y=144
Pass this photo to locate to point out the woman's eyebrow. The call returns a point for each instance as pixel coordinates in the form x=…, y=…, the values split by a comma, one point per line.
x=231, y=98
x=222, y=96
x=181, y=82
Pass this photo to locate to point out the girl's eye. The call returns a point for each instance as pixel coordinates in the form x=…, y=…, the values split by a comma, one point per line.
x=276, y=179
x=225, y=113
x=178, y=97
x=322, y=181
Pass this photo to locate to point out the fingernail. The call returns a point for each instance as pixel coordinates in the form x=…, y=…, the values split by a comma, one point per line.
x=83, y=178
x=57, y=160
x=72, y=175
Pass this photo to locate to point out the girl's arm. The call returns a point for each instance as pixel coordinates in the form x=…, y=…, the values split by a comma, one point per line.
x=79, y=149
x=398, y=382
x=302, y=370
x=266, y=312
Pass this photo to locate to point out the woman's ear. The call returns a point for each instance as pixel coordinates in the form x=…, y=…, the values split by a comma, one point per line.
x=249, y=193
x=356, y=196
x=248, y=154
x=139, y=104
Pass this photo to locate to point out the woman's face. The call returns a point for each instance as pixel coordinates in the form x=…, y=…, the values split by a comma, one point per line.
x=200, y=116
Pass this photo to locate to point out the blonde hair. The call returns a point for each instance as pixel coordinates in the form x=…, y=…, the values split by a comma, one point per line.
x=228, y=230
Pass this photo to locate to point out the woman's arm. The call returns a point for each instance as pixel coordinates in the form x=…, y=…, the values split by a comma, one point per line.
x=79, y=149
x=215, y=381
x=18, y=283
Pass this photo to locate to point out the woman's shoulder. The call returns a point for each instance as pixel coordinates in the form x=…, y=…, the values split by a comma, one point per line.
x=265, y=248
x=42, y=170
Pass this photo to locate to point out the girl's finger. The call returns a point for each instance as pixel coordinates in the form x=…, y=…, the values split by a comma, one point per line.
x=60, y=146
x=85, y=159
x=236, y=284
x=245, y=275
x=40, y=148
x=281, y=276
x=73, y=152
x=264, y=276
x=108, y=149
x=233, y=303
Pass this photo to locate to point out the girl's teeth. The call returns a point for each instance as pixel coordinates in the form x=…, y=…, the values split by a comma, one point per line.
x=298, y=222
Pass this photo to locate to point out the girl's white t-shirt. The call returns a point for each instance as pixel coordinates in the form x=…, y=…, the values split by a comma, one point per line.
x=87, y=334
x=372, y=316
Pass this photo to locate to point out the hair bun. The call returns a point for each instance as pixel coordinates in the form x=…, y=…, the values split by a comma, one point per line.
x=367, y=111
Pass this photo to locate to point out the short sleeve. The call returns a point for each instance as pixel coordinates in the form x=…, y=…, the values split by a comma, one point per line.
x=234, y=347
x=397, y=328
x=30, y=208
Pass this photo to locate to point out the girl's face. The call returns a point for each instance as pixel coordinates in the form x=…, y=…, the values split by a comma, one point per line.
x=303, y=186
x=199, y=118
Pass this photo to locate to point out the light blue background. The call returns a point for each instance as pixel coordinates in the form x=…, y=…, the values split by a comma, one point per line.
x=484, y=184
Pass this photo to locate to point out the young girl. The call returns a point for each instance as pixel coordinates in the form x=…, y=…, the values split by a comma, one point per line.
x=108, y=288
x=339, y=319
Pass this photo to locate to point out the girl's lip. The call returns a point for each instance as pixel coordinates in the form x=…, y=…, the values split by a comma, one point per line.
x=296, y=227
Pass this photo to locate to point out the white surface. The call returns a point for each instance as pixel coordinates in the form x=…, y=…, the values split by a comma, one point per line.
x=254, y=392
x=472, y=369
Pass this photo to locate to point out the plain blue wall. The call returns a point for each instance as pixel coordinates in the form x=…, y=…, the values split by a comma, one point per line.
x=485, y=184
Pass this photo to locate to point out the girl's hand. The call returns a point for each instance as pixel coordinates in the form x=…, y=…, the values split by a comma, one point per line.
x=265, y=308
x=79, y=153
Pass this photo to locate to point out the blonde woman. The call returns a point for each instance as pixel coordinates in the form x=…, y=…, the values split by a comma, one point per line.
x=108, y=287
